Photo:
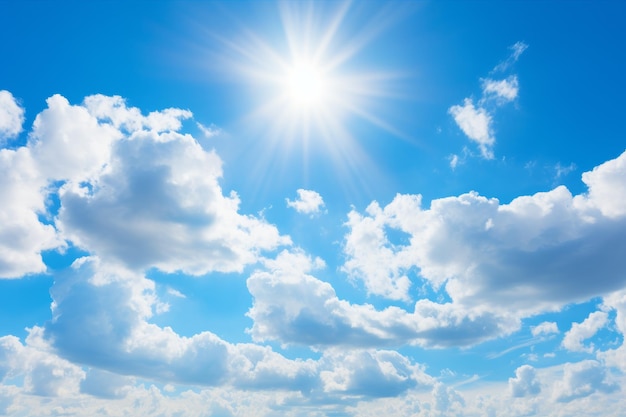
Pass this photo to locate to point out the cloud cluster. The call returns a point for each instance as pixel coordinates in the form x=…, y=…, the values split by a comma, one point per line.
x=135, y=193
x=476, y=120
x=131, y=189
x=310, y=313
x=530, y=255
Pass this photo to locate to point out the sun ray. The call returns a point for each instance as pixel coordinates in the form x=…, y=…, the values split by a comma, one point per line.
x=307, y=89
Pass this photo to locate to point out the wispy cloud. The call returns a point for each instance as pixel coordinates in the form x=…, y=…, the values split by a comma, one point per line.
x=209, y=131
x=476, y=120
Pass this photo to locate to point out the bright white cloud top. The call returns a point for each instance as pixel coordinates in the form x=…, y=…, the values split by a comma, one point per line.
x=153, y=263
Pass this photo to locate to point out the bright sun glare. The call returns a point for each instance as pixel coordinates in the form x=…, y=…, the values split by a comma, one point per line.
x=307, y=92
x=306, y=85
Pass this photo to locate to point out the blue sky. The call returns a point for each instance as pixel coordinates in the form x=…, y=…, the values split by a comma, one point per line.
x=312, y=209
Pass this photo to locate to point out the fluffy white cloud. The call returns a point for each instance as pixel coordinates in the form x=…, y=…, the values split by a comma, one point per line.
x=528, y=256
x=11, y=116
x=101, y=319
x=310, y=313
x=475, y=122
x=113, y=109
x=22, y=235
x=308, y=202
x=68, y=143
x=525, y=382
x=547, y=327
x=43, y=372
x=447, y=401
x=132, y=190
x=607, y=188
x=580, y=332
x=583, y=379
x=159, y=204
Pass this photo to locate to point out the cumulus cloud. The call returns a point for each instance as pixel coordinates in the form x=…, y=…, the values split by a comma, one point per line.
x=132, y=189
x=101, y=319
x=308, y=202
x=475, y=122
x=23, y=237
x=43, y=372
x=580, y=332
x=531, y=255
x=310, y=313
x=446, y=401
x=11, y=116
x=583, y=379
x=525, y=382
x=546, y=327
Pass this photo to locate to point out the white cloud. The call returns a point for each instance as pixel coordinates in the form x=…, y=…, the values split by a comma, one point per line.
x=517, y=49
x=371, y=373
x=580, y=332
x=616, y=357
x=43, y=372
x=547, y=327
x=561, y=170
x=475, y=122
x=22, y=236
x=101, y=318
x=145, y=195
x=504, y=90
x=538, y=252
x=583, y=379
x=144, y=198
x=454, y=161
x=209, y=131
x=175, y=293
x=68, y=143
x=11, y=116
x=447, y=401
x=607, y=188
x=113, y=110
x=310, y=313
x=525, y=382
x=308, y=202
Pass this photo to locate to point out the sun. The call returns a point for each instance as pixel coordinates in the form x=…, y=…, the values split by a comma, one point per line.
x=309, y=87
x=306, y=85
